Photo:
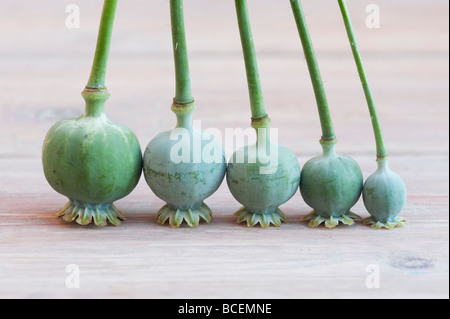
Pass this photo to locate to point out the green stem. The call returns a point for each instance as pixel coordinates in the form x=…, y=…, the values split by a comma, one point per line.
x=313, y=66
x=381, y=149
x=98, y=73
x=183, y=80
x=251, y=64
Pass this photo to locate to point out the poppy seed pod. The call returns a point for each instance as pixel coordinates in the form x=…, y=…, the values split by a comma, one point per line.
x=331, y=184
x=262, y=181
x=384, y=192
x=94, y=162
x=90, y=159
x=183, y=167
x=265, y=175
x=384, y=196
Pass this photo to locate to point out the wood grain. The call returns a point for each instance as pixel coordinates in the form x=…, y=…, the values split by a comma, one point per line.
x=44, y=66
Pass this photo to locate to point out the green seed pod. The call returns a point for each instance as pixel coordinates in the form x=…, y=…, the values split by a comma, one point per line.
x=331, y=184
x=265, y=175
x=263, y=182
x=183, y=172
x=384, y=196
x=384, y=192
x=93, y=162
x=90, y=159
x=184, y=167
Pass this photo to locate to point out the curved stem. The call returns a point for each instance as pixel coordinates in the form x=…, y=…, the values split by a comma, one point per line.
x=381, y=149
x=98, y=73
x=251, y=64
x=183, y=80
x=313, y=66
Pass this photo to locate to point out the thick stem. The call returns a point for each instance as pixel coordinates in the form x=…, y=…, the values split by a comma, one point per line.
x=328, y=147
x=98, y=73
x=95, y=101
x=328, y=133
x=381, y=149
x=183, y=80
x=251, y=64
x=383, y=163
x=184, y=112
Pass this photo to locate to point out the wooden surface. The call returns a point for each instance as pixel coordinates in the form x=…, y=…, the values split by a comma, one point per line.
x=44, y=67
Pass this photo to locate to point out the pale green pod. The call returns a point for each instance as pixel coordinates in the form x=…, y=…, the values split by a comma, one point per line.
x=265, y=175
x=384, y=192
x=384, y=196
x=183, y=167
x=331, y=184
x=262, y=181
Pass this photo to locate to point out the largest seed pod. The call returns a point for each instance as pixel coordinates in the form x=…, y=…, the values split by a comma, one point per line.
x=331, y=183
x=183, y=166
x=90, y=159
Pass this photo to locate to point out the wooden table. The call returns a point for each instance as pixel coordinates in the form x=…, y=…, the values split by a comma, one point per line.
x=44, y=66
